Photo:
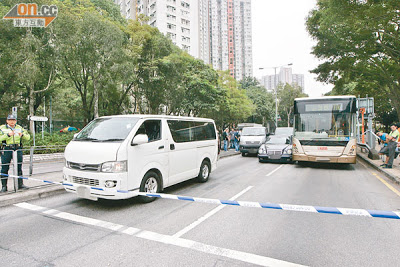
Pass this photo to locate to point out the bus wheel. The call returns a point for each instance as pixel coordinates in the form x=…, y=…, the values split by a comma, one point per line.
x=204, y=172
x=150, y=184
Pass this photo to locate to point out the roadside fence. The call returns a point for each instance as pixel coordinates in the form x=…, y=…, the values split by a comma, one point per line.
x=33, y=157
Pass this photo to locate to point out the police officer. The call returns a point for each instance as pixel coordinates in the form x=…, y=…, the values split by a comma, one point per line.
x=12, y=135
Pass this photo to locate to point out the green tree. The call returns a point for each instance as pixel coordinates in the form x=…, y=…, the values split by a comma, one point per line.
x=359, y=42
x=88, y=44
x=263, y=101
x=147, y=48
x=286, y=95
x=236, y=107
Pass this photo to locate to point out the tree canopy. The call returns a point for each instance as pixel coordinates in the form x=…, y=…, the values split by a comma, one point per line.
x=359, y=43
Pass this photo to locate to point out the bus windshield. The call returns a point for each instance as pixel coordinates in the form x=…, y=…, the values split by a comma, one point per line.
x=329, y=119
x=324, y=125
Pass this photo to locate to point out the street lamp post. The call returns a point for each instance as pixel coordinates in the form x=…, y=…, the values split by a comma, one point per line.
x=276, y=90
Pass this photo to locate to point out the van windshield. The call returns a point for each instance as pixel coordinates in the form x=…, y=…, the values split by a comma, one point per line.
x=251, y=131
x=112, y=129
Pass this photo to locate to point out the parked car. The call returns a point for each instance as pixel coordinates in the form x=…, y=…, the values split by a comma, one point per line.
x=276, y=148
x=251, y=139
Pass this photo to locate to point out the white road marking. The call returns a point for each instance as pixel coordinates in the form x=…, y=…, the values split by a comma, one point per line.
x=208, y=215
x=166, y=239
x=274, y=170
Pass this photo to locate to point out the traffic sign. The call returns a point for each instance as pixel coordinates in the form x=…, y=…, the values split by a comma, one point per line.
x=37, y=118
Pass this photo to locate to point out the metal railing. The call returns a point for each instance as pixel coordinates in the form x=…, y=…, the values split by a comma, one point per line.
x=34, y=157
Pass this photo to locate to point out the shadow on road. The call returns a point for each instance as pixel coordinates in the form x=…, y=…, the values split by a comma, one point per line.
x=325, y=166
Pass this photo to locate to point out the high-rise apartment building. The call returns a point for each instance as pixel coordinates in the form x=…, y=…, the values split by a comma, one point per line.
x=229, y=36
x=217, y=31
x=284, y=76
x=177, y=19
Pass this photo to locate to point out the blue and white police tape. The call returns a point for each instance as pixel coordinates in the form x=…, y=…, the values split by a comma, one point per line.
x=315, y=209
x=289, y=207
x=27, y=178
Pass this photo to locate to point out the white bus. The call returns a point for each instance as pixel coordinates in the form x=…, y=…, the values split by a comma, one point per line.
x=325, y=129
x=114, y=157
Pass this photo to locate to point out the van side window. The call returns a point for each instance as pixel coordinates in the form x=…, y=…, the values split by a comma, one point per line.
x=190, y=131
x=152, y=128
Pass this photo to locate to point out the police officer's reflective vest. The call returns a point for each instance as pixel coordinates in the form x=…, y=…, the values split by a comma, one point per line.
x=14, y=139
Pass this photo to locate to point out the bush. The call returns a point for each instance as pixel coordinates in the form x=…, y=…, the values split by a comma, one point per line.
x=51, y=143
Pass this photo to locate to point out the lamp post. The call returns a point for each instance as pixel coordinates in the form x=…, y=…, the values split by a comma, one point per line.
x=276, y=90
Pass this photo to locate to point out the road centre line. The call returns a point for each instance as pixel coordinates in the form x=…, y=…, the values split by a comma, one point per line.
x=274, y=170
x=383, y=181
x=208, y=215
x=166, y=239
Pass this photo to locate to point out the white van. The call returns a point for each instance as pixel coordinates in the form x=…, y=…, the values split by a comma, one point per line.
x=114, y=157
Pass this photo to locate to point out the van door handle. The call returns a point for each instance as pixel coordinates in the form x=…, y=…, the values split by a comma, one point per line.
x=161, y=147
x=172, y=146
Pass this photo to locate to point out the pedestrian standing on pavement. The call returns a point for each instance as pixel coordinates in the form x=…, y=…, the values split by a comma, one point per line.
x=12, y=135
x=232, y=138
x=392, y=140
x=225, y=137
x=237, y=139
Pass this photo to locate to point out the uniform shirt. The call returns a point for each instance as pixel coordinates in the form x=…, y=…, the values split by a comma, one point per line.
x=15, y=139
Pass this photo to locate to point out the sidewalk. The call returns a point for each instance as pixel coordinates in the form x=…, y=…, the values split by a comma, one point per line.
x=393, y=174
x=39, y=189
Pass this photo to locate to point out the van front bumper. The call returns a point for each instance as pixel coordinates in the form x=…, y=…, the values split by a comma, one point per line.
x=91, y=185
x=251, y=149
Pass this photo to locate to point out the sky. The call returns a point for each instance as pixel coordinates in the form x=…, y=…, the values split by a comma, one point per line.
x=280, y=37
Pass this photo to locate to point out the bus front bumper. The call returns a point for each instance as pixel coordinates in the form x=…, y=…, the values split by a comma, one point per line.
x=341, y=159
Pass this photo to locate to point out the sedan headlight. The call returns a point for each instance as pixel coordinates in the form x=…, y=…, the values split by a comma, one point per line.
x=288, y=151
x=114, y=166
x=262, y=149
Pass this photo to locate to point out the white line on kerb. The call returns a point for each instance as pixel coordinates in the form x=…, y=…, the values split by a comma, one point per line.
x=274, y=170
x=166, y=239
x=208, y=215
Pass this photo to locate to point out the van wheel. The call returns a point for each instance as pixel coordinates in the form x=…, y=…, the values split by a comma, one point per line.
x=150, y=184
x=204, y=172
x=243, y=154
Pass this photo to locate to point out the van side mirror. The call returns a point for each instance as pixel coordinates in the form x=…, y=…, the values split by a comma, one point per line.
x=140, y=139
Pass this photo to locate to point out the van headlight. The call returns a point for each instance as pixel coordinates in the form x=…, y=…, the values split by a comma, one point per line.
x=114, y=166
x=262, y=149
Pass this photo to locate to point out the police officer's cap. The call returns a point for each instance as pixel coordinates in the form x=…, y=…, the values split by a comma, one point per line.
x=11, y=117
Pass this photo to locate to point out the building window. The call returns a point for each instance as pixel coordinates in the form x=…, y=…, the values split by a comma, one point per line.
x=185, y=30
x=171, y=35
x=171, y=26
x=171, y=8
x=171, y=17
x=185, y=22
x=185, y=4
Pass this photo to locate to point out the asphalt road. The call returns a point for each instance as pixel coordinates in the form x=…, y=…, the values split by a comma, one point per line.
x=63, y=230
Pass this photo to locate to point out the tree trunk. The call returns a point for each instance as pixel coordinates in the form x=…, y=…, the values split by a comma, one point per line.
x=96, y=99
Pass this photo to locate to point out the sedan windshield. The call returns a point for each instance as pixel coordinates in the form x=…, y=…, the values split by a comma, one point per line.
x=252, y=131
x=111, y=129
x=277, y=140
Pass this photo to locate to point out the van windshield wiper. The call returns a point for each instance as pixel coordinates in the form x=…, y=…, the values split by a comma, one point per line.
x=86, y=139
x=110, y=140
